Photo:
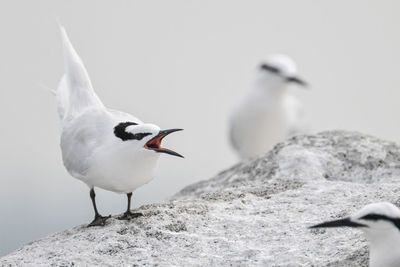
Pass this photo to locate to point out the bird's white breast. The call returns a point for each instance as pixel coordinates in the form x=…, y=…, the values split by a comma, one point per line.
x=385, y=250
x=119, y=168
x=93, y=154
x=258, y=123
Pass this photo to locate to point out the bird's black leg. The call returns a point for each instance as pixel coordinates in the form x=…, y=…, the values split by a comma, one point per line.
x=128, y=214
x=98, y=219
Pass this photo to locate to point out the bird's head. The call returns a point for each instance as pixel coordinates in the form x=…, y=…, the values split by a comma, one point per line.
x=280, y=70
x=146, y=136
x=376, y=220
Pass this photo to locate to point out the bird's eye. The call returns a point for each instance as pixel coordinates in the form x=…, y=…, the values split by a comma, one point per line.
x=373, y=217
x=269, y=68
x=120, y=132
x=140, y=136
x=379, y=217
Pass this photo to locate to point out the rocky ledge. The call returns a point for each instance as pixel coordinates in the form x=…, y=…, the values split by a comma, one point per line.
x=255, y=213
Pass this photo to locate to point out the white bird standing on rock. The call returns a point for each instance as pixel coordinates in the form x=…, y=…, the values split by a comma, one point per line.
x=381, y=224
x=101, y=147
x=268, y=114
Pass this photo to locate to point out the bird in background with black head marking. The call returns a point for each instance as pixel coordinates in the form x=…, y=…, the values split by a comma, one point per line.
x=103, y=148
x=269, y=113
x=381, y=224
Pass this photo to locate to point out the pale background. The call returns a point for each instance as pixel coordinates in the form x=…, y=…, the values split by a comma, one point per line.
x=177, y=64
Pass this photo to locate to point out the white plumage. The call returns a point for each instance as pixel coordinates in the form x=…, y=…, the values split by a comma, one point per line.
x=381, y=224
x=268, y=114
x=103, y=148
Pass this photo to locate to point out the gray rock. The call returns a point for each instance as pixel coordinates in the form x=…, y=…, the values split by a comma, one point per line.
x=253, y=214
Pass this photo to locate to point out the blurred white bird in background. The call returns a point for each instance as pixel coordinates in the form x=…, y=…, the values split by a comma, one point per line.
x=269, y=113
x=101, y=147
x=381, y=224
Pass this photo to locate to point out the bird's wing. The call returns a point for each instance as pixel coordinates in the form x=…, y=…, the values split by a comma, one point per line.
x=232, y=131
x=296, y=115
x=84, y=134
x=80, y=138
x=75, y=92
x=232, y=137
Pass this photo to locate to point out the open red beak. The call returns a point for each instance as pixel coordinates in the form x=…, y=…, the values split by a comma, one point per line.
x=155, y=142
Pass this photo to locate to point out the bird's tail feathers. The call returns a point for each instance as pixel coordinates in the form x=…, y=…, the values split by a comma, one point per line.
x=62, y=97
x=75, y=92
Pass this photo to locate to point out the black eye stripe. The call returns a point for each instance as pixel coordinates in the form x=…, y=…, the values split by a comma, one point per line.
x=269, y=68
x=379, y=217
x=120, y=132
x=140, y=136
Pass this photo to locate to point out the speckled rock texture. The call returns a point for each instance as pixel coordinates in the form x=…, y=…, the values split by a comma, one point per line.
x=253, y=214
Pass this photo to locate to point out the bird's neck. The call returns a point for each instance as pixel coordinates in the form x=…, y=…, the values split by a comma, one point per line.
x=385, y=250
x=272, y=86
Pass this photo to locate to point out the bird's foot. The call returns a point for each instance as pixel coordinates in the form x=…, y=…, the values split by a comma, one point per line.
x=99, y=220
x=128, y=215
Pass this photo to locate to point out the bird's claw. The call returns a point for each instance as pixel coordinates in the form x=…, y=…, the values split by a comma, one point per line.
x=130, y=215
x=99, y=220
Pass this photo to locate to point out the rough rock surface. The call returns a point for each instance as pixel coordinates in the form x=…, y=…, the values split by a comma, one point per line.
x=255, y=213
